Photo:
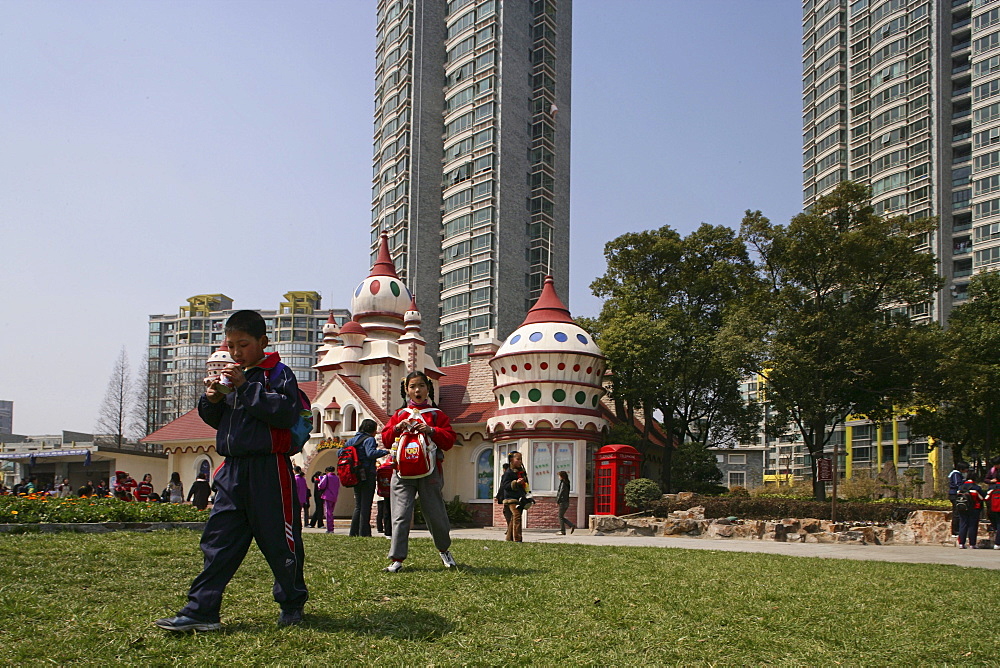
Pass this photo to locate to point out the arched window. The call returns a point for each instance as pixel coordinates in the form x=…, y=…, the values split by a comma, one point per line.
x=317, y=427
x=350, y=418
x=203, y=466
x=484, y=473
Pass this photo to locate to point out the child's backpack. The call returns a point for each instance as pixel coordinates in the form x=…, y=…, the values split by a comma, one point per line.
x=302, y=428
x=383, y=478
x=994, y=497
x=964, y=501
x=349, y=470
x=415, y=454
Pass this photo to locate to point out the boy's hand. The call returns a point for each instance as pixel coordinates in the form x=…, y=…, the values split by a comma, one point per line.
x=235, y=374
x=211, y=393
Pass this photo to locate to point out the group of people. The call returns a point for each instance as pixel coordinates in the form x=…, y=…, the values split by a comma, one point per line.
x=126, y=488
x=59, y=490
x=969, y=500
x=123, y=487
x=260, y=497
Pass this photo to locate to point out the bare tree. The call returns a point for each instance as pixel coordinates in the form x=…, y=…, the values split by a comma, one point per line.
x=139, y=417
x=118, y=401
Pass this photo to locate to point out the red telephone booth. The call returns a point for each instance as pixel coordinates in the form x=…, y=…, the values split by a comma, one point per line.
x=614, y=466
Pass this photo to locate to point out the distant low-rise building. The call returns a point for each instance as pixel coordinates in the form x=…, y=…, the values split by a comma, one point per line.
x=742, y=466
x=80, y=457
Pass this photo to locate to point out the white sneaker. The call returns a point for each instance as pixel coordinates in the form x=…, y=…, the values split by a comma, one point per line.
x=394, y=567
x=447, y=559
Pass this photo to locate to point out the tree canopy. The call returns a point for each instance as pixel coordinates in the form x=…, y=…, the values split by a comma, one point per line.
x=830, y=331
x=961, y=406
x=665, y=300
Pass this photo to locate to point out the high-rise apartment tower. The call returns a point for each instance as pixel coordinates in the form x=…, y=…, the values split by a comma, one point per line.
x=905, y=96
x=471, y=159
x=179, y=346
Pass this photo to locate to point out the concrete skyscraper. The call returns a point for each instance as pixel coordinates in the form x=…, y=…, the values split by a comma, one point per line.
x=905, y=96
x=471, y=159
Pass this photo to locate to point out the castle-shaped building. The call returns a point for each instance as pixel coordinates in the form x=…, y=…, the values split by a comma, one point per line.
x=540, y=392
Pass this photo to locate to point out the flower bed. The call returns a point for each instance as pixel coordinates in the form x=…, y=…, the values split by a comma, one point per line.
x=34, y=509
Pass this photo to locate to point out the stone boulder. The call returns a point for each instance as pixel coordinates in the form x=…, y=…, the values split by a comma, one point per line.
x=924, y=527
x=851, y=537
x=682, y=527
x=602, y=524
x=819, y=537
x=696, y=513
x=867, y=533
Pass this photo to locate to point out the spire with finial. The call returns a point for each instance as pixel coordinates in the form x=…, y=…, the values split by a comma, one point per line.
x=384, y=266
x=548, y=307
x=380, y=300
x=412, y=341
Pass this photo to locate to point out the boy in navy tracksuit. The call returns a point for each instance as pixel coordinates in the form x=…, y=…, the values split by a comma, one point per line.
x=255, y=487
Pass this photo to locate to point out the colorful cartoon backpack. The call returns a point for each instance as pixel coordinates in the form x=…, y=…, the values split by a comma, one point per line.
x=415, y=454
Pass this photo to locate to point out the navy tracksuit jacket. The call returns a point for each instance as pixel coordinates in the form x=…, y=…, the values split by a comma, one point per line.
x=255, y=490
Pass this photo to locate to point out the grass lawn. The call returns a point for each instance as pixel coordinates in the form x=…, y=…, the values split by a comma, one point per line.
x=77, y=598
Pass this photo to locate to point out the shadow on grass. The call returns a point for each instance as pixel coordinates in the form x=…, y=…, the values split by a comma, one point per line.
x=405, y=624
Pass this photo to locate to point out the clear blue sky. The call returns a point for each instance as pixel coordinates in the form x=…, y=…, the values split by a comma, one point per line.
x=150, y=151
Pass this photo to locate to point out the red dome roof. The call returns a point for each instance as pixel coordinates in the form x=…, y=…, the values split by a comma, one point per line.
x=548, y=308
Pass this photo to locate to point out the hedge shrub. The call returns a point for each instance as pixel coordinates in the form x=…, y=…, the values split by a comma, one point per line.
x=641, y=492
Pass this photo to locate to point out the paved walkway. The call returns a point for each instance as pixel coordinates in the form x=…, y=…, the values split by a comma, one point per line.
x=914, y=554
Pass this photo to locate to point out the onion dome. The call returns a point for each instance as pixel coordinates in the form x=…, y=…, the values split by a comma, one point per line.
x=549, y=369
x=380, y=300
x=220, y=359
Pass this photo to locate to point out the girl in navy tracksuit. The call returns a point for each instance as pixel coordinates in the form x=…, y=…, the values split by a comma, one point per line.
x=255, y=488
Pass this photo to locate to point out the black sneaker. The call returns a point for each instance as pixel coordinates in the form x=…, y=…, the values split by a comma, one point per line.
x=290, y=617
x=183, y=623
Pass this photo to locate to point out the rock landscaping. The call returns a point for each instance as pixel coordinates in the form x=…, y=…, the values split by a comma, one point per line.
x=922, y=527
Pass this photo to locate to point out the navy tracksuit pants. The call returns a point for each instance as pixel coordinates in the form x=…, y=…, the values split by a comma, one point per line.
x=255, y=500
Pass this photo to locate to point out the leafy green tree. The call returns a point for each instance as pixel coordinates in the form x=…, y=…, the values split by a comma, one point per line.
x=695, y=469
x=961, y=407
x=665, y=297
x=830, y=334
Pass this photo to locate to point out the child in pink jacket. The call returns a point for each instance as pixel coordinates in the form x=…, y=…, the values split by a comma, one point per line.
x=329, y=486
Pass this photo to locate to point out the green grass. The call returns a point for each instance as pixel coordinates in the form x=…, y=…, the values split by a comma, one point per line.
x=91, y=599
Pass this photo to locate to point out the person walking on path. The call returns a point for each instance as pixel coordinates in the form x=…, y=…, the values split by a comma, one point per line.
x=383, y=482
x=562, y=500
x=512, y=487
x=955, y=480
x=419, y=418
x=302, y=489
x=969, y=503
x=316, y=519
x=329, y=489
x=364, y=492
